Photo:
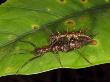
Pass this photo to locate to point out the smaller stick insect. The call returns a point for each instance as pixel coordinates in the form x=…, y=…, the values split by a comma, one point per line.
x=63, y=42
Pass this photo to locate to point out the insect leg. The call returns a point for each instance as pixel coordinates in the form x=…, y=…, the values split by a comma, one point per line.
x=5, y=51
x=27, y=62
x=26, y=51
x=29, y=43
x=84, y=57
x=58, y=59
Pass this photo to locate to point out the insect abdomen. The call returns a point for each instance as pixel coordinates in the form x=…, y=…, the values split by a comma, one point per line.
x=39, y=51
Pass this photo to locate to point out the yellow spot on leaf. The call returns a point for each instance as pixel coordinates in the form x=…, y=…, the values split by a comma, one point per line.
x=106, y=0
x=8, y=69
x=70, y=23
x=62, y=1
x=35, y=26
x=83, y=1
x=48, y=9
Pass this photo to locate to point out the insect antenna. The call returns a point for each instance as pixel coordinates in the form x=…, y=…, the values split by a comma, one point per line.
x=32, y=44
x=6, y=32
x=84, y=57
x=31, y=59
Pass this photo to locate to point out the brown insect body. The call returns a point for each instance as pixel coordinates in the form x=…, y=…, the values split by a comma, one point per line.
x=38, y=51
x=65, y=42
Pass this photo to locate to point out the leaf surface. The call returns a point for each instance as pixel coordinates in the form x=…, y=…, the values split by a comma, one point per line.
x=36, y=20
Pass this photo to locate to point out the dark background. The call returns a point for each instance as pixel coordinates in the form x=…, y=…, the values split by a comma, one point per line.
x=100, y=73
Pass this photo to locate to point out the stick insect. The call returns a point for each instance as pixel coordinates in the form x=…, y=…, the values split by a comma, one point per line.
x=64, y=42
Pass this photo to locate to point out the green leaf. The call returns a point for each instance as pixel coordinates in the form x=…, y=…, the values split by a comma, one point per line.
x=34, y=21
